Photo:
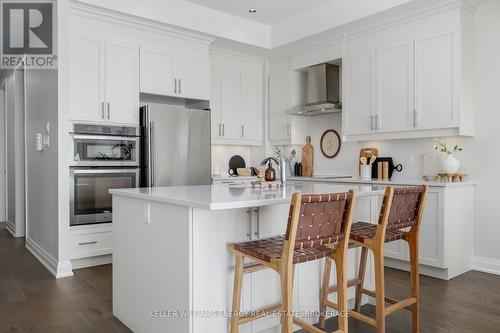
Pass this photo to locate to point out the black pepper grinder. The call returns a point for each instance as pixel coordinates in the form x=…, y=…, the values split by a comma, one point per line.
x=300, y=170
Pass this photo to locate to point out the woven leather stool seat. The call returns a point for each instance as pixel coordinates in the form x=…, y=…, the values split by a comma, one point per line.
x=272, y=248
x=363, y=230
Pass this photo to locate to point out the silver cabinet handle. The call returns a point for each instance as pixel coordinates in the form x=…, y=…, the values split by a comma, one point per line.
x=415, y=118
x=109, y=110
x=175, y=86
x=288, y=130
x=249, y=233
x=223, y=130
x=257, y=231
x=376, y=122
x=242, y=131
x=88, y=243
x=220, y=132
x=102, y=110
x=180, y=86
x=372, y=117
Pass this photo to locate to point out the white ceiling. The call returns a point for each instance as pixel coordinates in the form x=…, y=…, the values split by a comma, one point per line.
x=268, y=12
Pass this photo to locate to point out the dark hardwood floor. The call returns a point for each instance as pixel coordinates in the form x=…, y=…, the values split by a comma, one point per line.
x=31, y=300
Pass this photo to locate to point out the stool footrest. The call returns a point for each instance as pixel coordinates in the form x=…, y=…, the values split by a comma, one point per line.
x=308, y=327
x=389, y=300
x=363, y=318
x=332, y=305
x=404, y=304
x=259, y=314
x=350, y=283
x=254, y=267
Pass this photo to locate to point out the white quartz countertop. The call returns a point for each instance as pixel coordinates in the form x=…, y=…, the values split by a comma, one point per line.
x=396, y=182
x=222, y=196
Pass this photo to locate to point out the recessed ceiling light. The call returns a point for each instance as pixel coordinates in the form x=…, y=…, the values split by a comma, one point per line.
x=252, y=11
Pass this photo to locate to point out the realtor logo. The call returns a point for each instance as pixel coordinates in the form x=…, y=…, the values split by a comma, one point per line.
x=27, y=34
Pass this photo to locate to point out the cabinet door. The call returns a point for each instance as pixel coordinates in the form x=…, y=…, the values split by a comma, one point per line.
x=395, y=87
x=436, y=69
x=213, y=266
x=229, y=105
x=215, y=102
x=122, y=82
x=431, y=250
x=192, y=76
x=157, y=71
x=251, y=107
x=279, y=120
x=87, y=77
x=359, y=100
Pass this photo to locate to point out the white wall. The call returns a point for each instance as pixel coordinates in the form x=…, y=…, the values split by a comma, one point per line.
x=41, y=167
x=14, y=87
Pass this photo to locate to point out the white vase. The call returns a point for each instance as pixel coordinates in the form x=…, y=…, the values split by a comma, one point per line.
x=450, y=164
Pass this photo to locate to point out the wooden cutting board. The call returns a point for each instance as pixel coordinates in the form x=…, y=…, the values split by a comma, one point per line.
x=307, y=158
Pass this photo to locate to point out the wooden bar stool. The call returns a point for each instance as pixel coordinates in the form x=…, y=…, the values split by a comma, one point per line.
x=401, y=208
x=318, y=226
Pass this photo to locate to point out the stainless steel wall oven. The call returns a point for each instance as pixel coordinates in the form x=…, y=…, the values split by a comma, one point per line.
x=103, y=158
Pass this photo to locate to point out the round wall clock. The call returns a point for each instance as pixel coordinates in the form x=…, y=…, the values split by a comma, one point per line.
x=330, y=143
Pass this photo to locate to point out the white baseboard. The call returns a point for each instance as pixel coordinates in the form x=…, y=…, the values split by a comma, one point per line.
x=59, y=269
x=92, y=261
x=10, y=228
x=486, y=265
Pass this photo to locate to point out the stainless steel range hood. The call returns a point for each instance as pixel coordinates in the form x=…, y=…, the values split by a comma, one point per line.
x=323, y=91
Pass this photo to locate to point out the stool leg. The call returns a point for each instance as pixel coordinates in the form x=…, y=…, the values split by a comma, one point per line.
x=341, y=268
x=361, y=278
x=379, y=289
x=286, y=278
x=238, y=278
x=415, y=283
x=324, y=292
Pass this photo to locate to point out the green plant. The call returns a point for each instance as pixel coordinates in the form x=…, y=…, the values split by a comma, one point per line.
x=444, y=148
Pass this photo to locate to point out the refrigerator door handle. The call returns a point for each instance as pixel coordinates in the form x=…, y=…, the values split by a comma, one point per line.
x=151, y=153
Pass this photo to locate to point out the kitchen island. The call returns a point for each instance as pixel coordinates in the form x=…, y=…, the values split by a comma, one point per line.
x=172, y=271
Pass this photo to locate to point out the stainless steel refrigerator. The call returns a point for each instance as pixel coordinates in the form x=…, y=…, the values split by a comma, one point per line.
x=175, y=146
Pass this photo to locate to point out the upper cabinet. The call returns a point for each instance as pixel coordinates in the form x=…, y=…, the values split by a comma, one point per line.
x=407, y=81
x=104, y=76
x=287, y=89
x=175, y=72
x=437, y=80
x=110, y=63
x=236, y=98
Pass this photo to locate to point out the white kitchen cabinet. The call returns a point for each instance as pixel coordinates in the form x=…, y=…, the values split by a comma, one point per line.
x=157, y=71
x=251, y=106
x=236, y=99
x=359, y=93
x=419, y=87
x=394, y=109
x=122, y=82
x=437, y=80
x=279, y=121
x=287, y=90
x=87, y=77
x=104, y=75
x=165, y=71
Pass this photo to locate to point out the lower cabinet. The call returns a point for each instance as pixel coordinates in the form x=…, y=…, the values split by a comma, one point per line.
x=91, y=240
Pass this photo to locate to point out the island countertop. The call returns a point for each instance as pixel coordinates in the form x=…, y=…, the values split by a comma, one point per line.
x=221, y=196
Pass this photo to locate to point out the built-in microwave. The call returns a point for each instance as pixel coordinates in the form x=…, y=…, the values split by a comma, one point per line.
x=104, y=145
x=90, y=201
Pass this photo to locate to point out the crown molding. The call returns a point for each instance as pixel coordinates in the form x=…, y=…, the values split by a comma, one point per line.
x=120, y=18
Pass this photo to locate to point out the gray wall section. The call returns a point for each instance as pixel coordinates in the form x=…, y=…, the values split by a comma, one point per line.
x=42, y=167
x=11, y=179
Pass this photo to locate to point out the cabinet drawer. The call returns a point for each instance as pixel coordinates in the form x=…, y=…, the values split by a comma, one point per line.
x=90, y=244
